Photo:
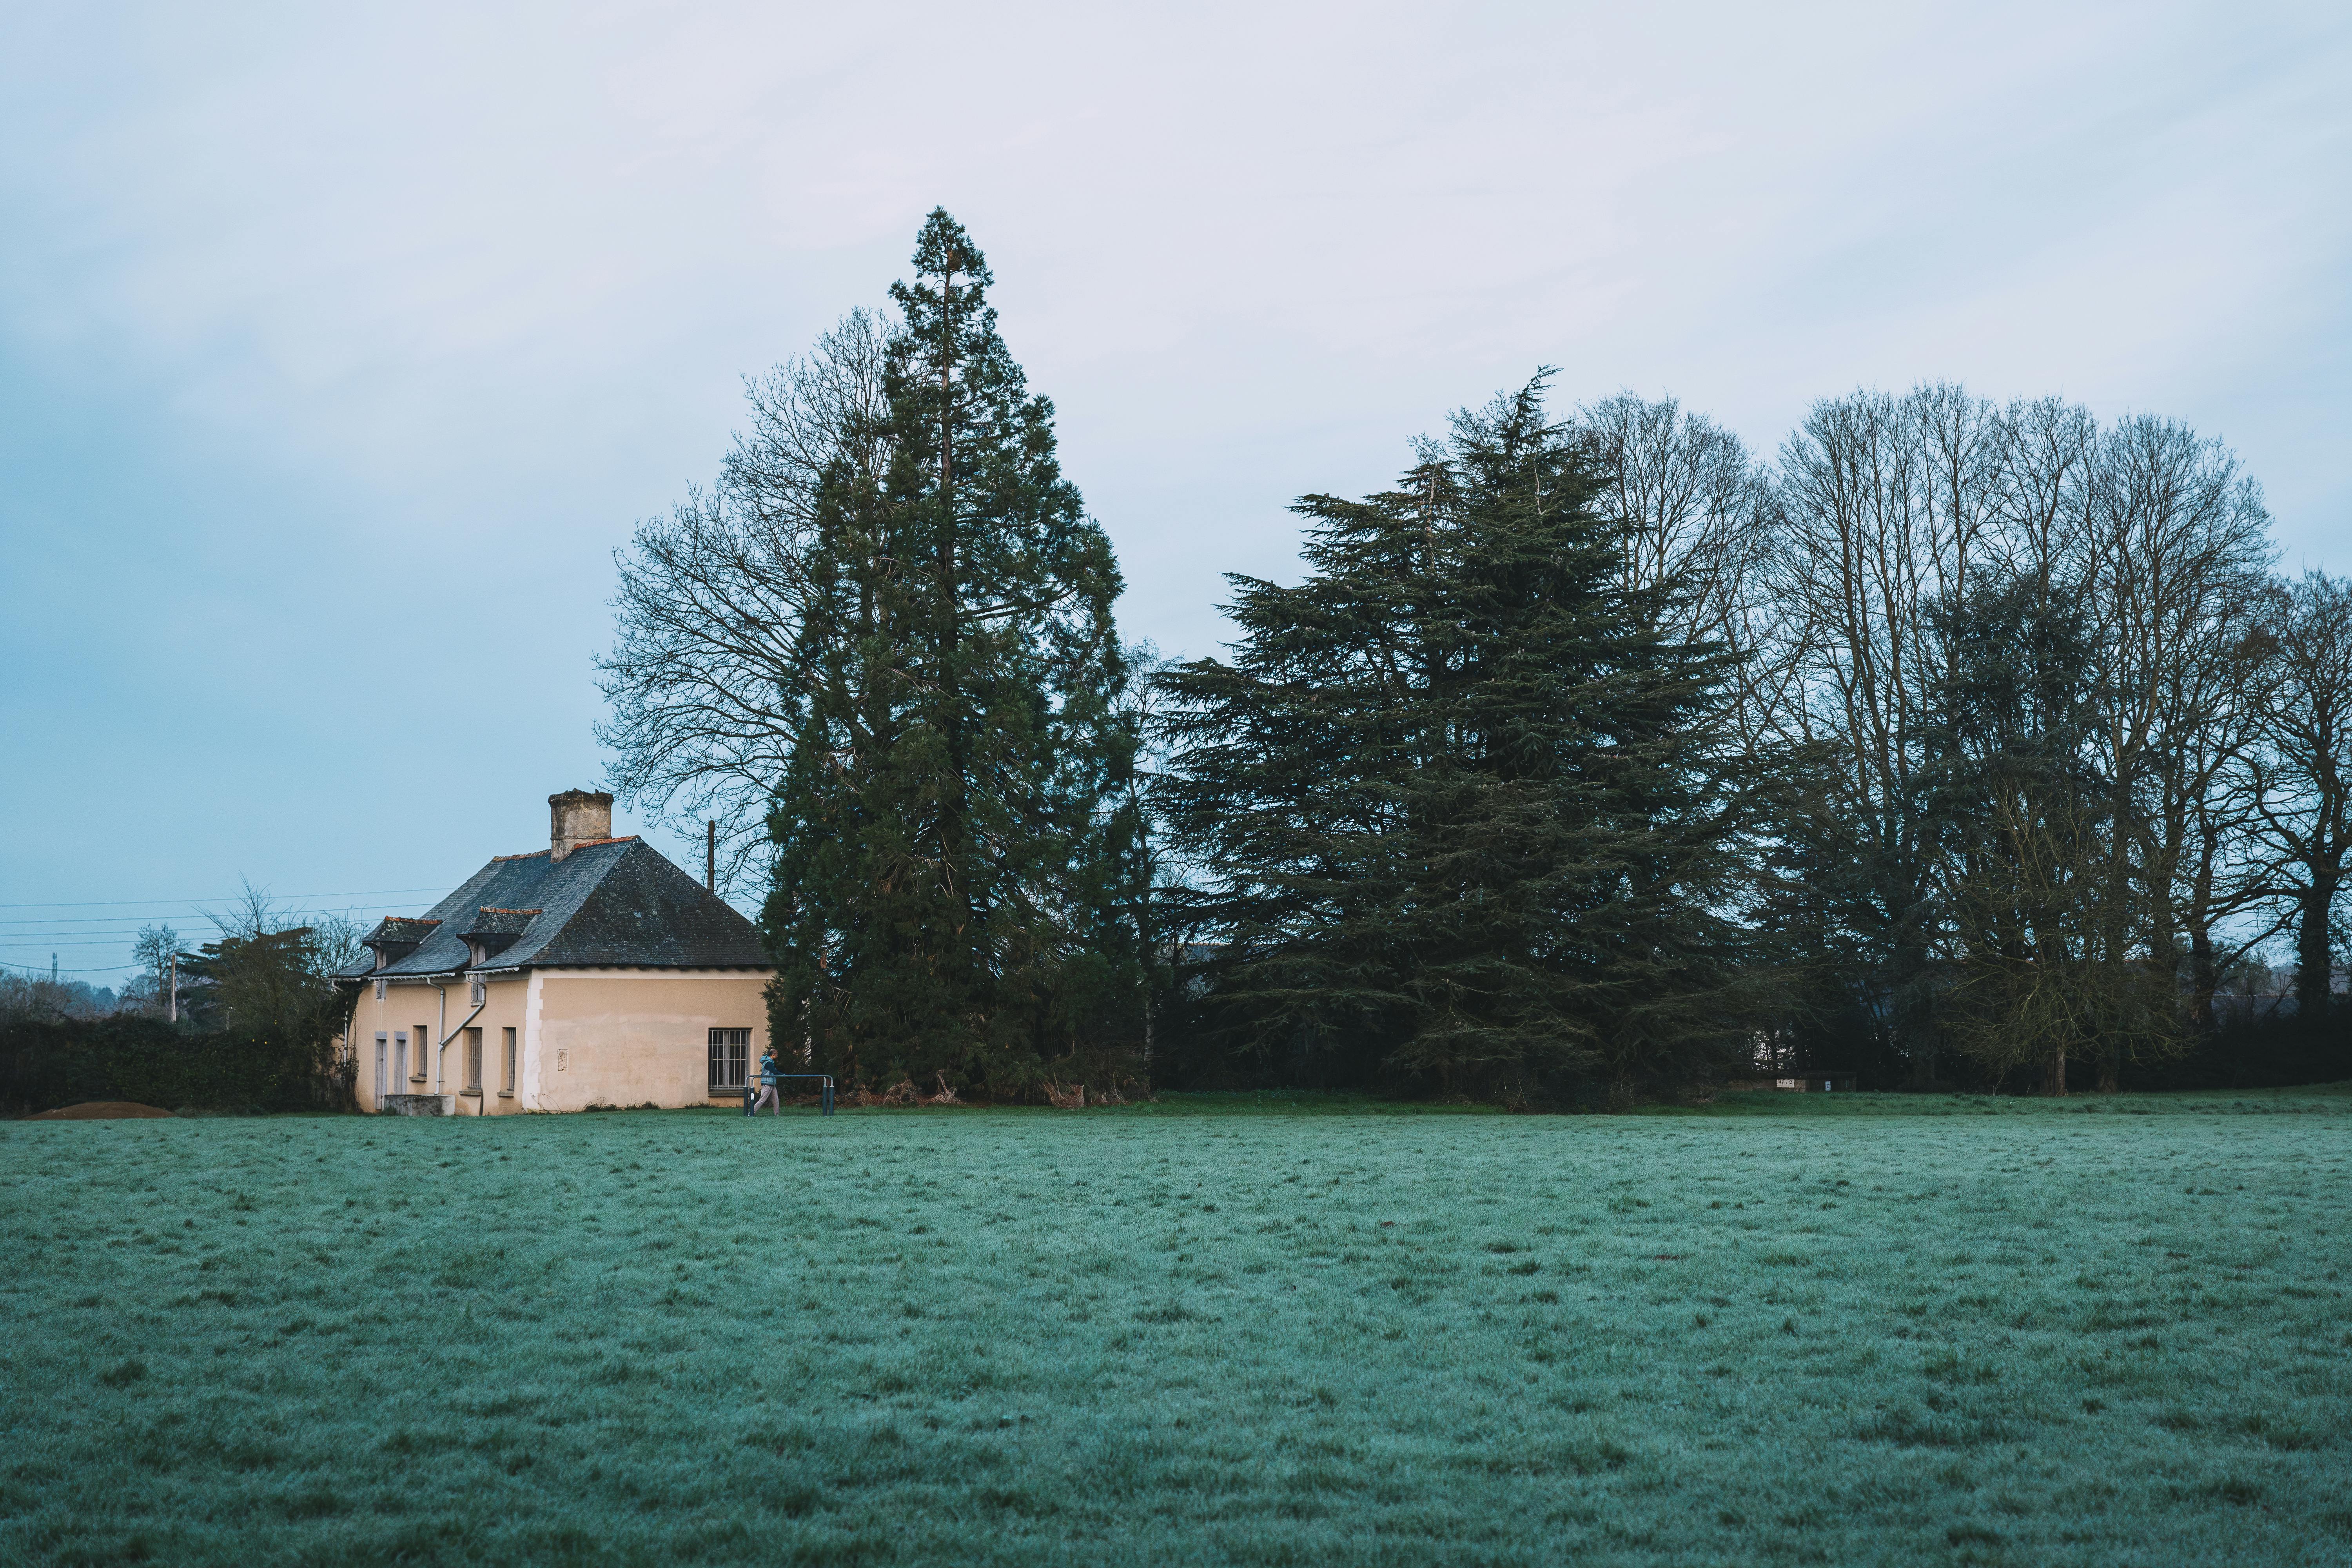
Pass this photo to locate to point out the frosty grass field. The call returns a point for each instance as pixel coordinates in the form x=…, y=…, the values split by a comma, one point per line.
x=1841, y=1330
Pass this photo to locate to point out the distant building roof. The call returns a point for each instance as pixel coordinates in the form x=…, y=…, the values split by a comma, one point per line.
x=613, y=903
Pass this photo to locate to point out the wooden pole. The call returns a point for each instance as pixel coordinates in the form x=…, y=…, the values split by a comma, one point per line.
x=710, y=855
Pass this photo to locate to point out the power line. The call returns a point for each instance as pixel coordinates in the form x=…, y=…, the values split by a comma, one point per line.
x=37, y=972
x=113, y=921
x=215, y=899
x=58, y=946
x=80, y=928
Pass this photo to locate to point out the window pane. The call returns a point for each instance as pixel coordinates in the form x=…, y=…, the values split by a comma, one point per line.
x=729, y=1058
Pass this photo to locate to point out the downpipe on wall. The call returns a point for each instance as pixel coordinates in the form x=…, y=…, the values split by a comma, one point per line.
x=449, y=1034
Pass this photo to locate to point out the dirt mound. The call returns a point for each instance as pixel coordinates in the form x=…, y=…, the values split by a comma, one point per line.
x=101, y=1110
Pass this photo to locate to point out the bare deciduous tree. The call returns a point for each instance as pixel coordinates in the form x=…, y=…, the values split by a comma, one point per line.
x=1894, y=509
x=2174, y=560
x=1695, y=510
x=154, y=951
x=2304, y=770
x=1884, y=502
x=709, y=666
x=1689, y=499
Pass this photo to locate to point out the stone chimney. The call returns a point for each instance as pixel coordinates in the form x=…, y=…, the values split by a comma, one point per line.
x=578, y=816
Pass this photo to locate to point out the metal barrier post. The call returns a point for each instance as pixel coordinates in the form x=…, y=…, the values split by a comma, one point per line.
x=825, y=1094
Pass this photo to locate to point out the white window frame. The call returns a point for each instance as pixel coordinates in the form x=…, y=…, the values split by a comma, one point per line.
x=730, y=1060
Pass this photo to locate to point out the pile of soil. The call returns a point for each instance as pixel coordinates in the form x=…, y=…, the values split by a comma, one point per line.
x=101, y=1110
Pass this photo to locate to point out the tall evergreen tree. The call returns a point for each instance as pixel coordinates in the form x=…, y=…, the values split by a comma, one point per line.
x=1455, y=801
x=952, y=891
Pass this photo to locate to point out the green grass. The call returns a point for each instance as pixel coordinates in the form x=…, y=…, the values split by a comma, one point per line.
x=1779, y=1329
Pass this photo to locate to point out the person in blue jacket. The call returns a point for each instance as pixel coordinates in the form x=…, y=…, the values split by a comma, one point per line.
x=767, y=1095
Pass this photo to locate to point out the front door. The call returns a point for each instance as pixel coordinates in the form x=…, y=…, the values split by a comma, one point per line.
x=379, y=1071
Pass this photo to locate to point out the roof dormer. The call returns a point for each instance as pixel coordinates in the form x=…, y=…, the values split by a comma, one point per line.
x=395, y=937
x=491, y=932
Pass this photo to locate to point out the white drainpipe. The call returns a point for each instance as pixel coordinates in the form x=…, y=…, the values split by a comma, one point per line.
x=449, y=1035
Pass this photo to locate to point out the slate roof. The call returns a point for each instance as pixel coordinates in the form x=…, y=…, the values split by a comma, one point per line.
x=616, y=904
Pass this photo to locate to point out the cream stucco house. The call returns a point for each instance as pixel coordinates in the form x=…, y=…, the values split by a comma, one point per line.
x=590, y=973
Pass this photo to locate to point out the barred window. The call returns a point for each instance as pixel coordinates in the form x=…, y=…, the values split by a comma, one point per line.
x=731, y=1058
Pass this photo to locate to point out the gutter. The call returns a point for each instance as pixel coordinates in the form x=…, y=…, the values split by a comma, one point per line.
x=441, y=1050
x=488, y=973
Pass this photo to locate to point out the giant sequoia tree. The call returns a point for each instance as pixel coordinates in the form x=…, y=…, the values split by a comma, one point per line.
x=955, y=879
x=1454, y=806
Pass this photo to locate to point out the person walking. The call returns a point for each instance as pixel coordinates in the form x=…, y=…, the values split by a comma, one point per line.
x=767, y=1095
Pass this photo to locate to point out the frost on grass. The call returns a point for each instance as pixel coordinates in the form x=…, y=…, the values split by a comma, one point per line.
x=1886, y=1330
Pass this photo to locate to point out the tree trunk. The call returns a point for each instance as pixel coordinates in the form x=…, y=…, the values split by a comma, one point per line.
x=2203, y=981
x=2057, y=1085
x=2313, y=951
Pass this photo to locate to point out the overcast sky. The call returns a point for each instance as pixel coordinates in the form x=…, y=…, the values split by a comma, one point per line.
x=338, y=354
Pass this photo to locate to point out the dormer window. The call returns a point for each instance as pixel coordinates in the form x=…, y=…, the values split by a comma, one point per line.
x=395, y=937
x=493, y=931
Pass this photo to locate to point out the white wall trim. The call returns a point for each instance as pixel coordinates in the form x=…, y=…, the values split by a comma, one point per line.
x=533, y=1072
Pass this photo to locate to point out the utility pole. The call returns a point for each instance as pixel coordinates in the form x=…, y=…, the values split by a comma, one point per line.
x=711, y=854
x=175, y=988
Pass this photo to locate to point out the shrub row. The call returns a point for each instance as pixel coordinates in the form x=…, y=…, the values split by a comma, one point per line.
x=48, y=1063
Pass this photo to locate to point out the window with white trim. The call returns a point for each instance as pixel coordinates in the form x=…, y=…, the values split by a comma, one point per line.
x=731, y=1058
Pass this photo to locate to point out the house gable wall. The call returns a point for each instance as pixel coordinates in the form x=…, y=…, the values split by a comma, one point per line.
x=625, y=1038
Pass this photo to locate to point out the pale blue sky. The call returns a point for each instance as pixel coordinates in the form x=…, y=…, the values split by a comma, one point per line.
x=340, y=346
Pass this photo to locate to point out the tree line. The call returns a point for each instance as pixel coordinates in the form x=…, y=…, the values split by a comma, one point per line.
x=1958, y=741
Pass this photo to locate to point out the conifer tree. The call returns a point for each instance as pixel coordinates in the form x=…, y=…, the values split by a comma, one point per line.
x=1455, y=801
x=954, y=892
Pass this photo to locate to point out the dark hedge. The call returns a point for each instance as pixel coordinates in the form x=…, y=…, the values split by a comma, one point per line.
x=47, y=1063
